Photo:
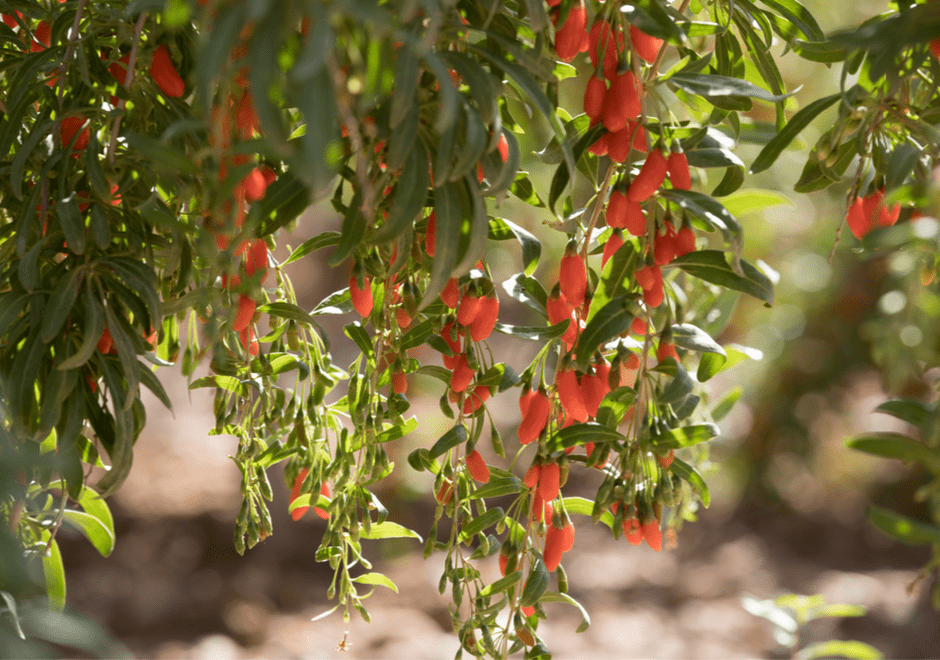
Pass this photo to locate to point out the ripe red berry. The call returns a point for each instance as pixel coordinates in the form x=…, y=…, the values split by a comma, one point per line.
x=554, y=547
x=645, y=277
x=646, y=46
x=106, y=342
x=600, y=147
x=572, y=37
x=451, y=294
x=617, y=210
x=685, y=241
x=570, y=395
x=632, y=531
x=444, y=493
x=573, y=278
x=531, y=478
x=558, y=310
x=245, y=116
x=594, y=386
x=594, y=95
x=477, y=467
x=361, y=298
x=664, y=246
x=402, y=318
x=601, y=40
x=165, y=74
x=502, y=146
x=486, y=317
x=678, y=168
x=69, y=127
x=666, y=349
x=622, y=102
x=650, y=178
x=462, y=375
x=468, y=309
x=475, y=399
x=254, y=185
x=666, y=461
x=549, y=481
x=299, y=512
x=246, y=309
x=614, y=243
x=638, y=327
x=535, y=418
x=399, y=382
x=256, y=258
x=652, y=534
x=654, y=296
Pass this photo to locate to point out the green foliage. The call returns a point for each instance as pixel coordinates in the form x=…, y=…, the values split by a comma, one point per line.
x=153, y=155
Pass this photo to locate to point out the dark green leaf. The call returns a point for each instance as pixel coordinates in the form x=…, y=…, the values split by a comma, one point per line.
x=794, y=126
x=913, y=412
x=455, y=436
x=528, y=291
x=411, y=193
x=535, y=584
x=60, y=303
x=478, y=524
x=694, y=338
x=356, y=332
x=895, y=445
x=581, y=434
x=535, y=333
x=321, y=240
x=610, y=321
x=690, y=475
x=714, y=87
x=684, y=436
x=502, y=229
x=678, y=388
x=498, y=488
x=711, y=266
x=902, y=528
x=713, y=212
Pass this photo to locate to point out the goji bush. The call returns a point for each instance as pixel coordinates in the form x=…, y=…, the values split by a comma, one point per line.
x=152, y=155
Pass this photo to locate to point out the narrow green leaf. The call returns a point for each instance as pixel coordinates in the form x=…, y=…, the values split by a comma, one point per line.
x=478, y=524
x=357, y=333
x=455, y=436
x=556, y=597
x=585, y=507
x=852, y=649
x=410, y=195
x=376, y=579
x=711, y=266
x=54, y=571
x=913, y=412
x=100, y=536
x=724, y=405
x=502, y=229
x=11, y=608
x=895, y=445
x=498, y=488
x=501, y=585
x=447, y=240
x=60, y=303
x=714, y=213
x=535, y=584
x=581, y=434
x=713, y=87
x=389, y=530
x=794, y=127
x=612, y=320
x=691, y=476
x=684, y=436
x=321, y=240
x=694, y=338
x=528, y=291
x=536, y=333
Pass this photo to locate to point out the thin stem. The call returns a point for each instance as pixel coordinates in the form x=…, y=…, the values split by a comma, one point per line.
x=128, y=81
x=73, y=37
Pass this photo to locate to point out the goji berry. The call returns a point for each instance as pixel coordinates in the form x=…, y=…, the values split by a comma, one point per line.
x=477, y=467
x=646, y=47
x=444, y=493
x=601, y=39
x=614, y=243
x=43, y=35
x=399, y=382
x=666, y=461
x=558, y=310
x=430, y=236
x=572, y=37
x=450, y=294
x=622, y=102
x=361, y=298
x=106, y=342
x=475, y=399
x=535, y=418
x=685, y=240
x=573, y=277
x=165, y=74
x=549, y=481
x=570, y=395
x=638, y=326
x=594, y=95
x=402, y=318
x=664, y=245
x=69, y=127
x=601, y=145
x=554, y=548
x=678, y=168
x=468, y=309
x=650, y=178
x=594, y=387
x=462, y=375
x=632, y=531
x=245, y=116
x=502, y=147
x=652, y=534
x=256, y=258
x=482, y=326
x=299, y=512
x=666, y=349
x=254, y=185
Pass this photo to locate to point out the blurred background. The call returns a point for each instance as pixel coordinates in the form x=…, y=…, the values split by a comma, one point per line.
x=788, y=498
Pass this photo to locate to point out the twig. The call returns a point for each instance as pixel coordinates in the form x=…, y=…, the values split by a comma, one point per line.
x=73, y=37
x=128, y=80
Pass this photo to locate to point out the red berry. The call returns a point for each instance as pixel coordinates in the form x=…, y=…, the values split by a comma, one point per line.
x=402, y=318
x=652, y=534
x=299, y=512
x=666, y=349
x=361, y=298
x=475, y=399
x=570, y=395
x=486, y=317
x=399, y=382
x=622, y=102
x=502, y=146
x=165, y=74
x=614, y=243
x=601, y=40
x=477, y=467
x=548, y=481
x=531, y=478
x=650, y=178
x=645, y=277
x=594, y=98
x=559, y=310
x=535, y=418
x=462, y=375
x=638, y=327
x=617, y=210
x=468, y=309
x=254, y=185
x=632, y=531
x=450, y=295
x=595, y=388
x=256, y=258
x=573, y=278
x=646, y=46
x=678, y=168
x=664, y=246
x=246, y=309
x=554, y=548
x=106, y=342
x=666, y=461
x=685, y=241
x=859, y=223
x=572, y=37
x=69, y=127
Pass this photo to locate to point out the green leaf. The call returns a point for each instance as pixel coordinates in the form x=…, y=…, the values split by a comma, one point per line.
x=321, y=240
x=580, y=434
x=714, y=213
x=536, y=333
x=161, y=155
x=60, y=303
x=389, y=530
x=528, y=291
x=447, y=239
x=11, y=608
x=913, y=412
x=556, y=597
x=501, y=585
x=712, y=266
x=54, y=571
x=585, y=507
x=362, y=339
x=690, y=475
x=498, y=488
x=752, y=200
x=712, y=87
x=711, y=364
x=352, y=234
x=535, y=584
x=455, y=436
x=852, y=649
x=794, y=126
x=693, y=338
x=610, y=321
x=283, y=201
x=615, y=280
x=798, y=16
x=902, y=528
x=411, y=193
x=678, y=388
x=478, y=524
x=724, y=405
x=895, y=445
x=93, y=529
x=903, y=159
x=376, y=579
x=684, y=436
x=501, y=229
